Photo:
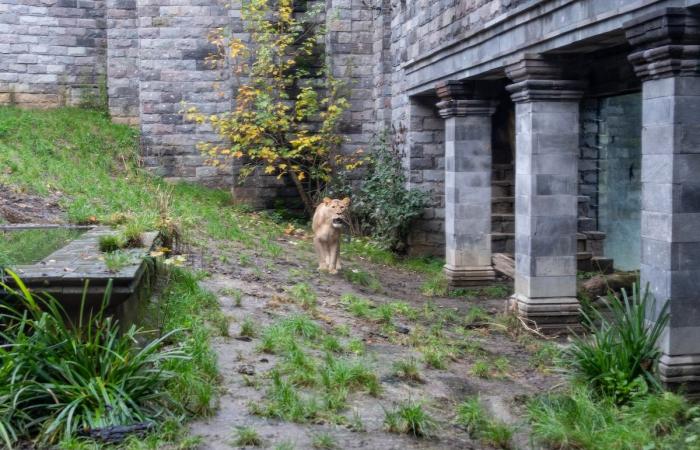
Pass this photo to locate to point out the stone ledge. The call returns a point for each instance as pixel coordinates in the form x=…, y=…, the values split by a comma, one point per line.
x=63, y=273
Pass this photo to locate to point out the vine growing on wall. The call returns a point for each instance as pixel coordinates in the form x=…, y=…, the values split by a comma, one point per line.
x=288, y=106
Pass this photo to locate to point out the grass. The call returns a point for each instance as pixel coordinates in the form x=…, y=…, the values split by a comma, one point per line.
x=473, y=417
x=109, y=243
x=95, y=165
x=189, y=312
x=409, y=417
x=577, y=419
x=248, y=328
x=363, y=278
x=407, y=369
x=323, y=441
x=117, y=260
x=304, y=295
x=247, y=437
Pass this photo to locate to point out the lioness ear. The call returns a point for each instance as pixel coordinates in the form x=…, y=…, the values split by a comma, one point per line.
x=346, y=201
x=326, y=200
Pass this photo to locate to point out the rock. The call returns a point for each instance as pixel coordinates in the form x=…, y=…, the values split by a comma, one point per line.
x=246, y=369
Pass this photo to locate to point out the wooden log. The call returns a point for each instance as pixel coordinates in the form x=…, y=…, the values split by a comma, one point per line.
x=600, y=285
x=504, y=263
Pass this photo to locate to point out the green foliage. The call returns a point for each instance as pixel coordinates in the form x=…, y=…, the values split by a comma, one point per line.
x=618, y=360
x=59, y=377
x=582, y=419
x=410, y=418
x=383, y=206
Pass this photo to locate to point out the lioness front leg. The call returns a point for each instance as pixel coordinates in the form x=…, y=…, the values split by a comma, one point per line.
x=321, y=254
x=333, y=251
x=337, y=256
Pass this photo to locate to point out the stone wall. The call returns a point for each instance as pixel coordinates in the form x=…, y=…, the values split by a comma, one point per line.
x=173, y=73
x=52, y=52
x=425, y=163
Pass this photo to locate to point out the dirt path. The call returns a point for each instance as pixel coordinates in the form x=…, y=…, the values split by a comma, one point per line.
x=262, y=285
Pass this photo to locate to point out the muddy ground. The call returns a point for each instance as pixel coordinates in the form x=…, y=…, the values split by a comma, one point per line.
x=264, y=281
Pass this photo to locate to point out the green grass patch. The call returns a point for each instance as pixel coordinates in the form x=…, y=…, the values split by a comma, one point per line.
x=577, y=419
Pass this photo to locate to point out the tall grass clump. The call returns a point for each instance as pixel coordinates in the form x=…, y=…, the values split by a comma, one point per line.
x=619, y=357
x=188, y=314
x=61, y=378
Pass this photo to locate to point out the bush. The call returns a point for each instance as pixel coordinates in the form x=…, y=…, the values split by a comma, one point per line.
x=59, y=378
x=618, y=360
x=383, y=207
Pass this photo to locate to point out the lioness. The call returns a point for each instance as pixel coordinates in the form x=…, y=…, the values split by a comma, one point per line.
x=327, y=222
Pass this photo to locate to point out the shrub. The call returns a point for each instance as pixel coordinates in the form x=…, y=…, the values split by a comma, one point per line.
x=59, y=378
x=618, y=360
x=383, y=207
x=287, y=117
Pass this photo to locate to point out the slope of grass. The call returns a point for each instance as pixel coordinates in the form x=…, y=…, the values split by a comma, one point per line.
x=94, y=164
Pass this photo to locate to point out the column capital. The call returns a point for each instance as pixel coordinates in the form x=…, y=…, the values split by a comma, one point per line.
x=665, y=43
x=538, y=78
x=461, y=108
x=465, y=98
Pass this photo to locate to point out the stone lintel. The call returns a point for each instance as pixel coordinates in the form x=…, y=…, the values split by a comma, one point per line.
x=460, y=108
x=469, y=276
x=681, y=373
x=665, y=43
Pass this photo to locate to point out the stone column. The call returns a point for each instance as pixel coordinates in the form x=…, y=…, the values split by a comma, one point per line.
x=666, y=56
x=467, y=185
x=546, y=174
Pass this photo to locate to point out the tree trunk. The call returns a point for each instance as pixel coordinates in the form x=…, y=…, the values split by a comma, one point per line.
x=305, y=199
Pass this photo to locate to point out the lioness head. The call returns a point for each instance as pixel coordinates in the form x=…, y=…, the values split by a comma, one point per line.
x=338, y=207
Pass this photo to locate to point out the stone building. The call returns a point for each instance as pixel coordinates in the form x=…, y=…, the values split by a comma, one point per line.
x=565, y=132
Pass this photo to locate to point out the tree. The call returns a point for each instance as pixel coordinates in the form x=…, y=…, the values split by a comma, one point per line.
x=288, y=106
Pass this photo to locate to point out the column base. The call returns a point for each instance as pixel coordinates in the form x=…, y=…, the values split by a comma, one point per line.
x=551, y=315
x=681, y=373
x=469, y=276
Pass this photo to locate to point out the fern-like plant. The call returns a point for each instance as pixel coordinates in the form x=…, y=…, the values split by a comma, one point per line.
x=619, y=357
x=59, y=378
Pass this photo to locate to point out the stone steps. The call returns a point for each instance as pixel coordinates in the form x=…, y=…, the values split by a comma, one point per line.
x=502, y=188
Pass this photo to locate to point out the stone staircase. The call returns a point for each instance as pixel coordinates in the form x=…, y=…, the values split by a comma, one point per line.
x=589, y=241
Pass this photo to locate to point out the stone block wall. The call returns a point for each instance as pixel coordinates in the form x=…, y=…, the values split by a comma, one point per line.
x=173, y=74
x=425, y=163
x=123, y=60
x=52, y=52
